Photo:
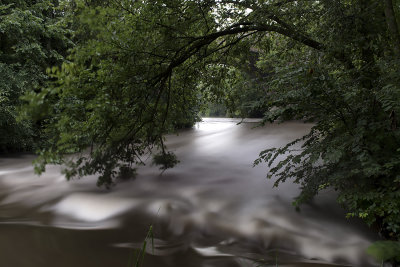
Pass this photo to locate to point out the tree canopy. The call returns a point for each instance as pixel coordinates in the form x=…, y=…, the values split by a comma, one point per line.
x=141, y=69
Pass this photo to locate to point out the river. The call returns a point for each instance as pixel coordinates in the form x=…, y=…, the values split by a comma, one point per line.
x=212, y=209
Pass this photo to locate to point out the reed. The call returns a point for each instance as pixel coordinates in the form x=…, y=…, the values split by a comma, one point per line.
x=136, y=258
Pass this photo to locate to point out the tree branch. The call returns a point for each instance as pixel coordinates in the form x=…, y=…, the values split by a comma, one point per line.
x=392, y=25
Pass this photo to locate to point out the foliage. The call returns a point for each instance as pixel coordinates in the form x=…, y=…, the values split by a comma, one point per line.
x=354, y=145
x=118, y=95
x=237, y=88
x=31, y=39
x=166, y=160
x=385, y=250
x=242, y=88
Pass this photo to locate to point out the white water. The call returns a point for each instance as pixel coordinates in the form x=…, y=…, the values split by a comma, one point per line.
x=213, y=209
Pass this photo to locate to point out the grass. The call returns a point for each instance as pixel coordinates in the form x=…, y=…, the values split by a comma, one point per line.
x=136, y=258
x=264, y=263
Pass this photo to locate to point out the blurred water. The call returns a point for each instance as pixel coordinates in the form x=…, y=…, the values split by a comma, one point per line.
x=213, y=209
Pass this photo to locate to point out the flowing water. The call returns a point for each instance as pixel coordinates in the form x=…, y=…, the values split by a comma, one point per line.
x=213, y=209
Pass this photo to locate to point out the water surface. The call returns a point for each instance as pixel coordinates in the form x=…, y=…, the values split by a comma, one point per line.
x=213, y=209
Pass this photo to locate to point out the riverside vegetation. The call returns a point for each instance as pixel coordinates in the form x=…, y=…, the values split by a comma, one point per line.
x=105, y=80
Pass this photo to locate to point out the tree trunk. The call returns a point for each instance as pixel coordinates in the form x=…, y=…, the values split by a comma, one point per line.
x=392, y=25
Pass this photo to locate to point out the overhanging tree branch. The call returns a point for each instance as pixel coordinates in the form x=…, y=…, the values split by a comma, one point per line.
x=392, y=25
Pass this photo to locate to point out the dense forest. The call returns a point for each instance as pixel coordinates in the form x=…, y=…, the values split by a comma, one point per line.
x=106, y=80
